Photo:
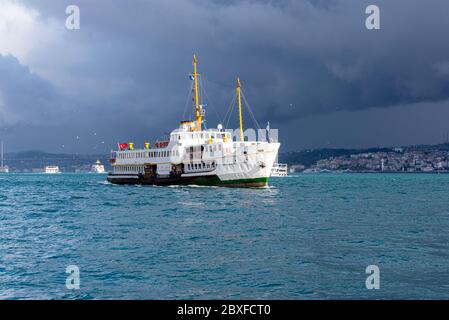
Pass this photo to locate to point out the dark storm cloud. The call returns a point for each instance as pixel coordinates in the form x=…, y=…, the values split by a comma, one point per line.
x=295, y=58
x=25, y=97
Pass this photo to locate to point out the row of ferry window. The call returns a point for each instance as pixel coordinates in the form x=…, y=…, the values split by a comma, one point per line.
x=131, y=169
x=213, y=148
x=200, y=136
x=129, y=155
x=168, y=153
x=207, y=148
x=195, y=166
x=151, y=154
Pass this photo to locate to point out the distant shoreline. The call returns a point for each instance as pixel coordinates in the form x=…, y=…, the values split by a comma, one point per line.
x=374, y=172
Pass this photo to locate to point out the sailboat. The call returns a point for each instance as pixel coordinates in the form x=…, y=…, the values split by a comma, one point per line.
x=3, y=168
x=194, y=155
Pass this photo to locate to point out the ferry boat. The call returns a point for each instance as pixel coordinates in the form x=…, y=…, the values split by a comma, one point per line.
x=97, y=167
x=52, y=169
x=194, y=155
x=3, y=168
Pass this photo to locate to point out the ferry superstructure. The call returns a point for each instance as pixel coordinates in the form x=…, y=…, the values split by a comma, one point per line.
x=193, y=155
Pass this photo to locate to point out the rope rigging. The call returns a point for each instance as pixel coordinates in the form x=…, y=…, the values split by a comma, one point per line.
x=189, y=97
x=233, y=104
x=250, y=111
x=197, y=93
x=204, y=93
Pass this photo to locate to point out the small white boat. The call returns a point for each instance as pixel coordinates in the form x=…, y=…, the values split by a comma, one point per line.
x=52, y=169
x=279, y=170
x=98, y=167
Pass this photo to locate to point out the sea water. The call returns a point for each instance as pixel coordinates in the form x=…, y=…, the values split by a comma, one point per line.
x=307, y=236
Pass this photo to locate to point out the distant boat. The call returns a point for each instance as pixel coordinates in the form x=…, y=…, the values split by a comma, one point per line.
x=279, y=170
x=98, y=167
x=312, y=170
x=52, y=169
x=3, y=168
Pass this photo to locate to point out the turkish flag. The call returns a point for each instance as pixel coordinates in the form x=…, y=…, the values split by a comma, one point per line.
x=123, y=146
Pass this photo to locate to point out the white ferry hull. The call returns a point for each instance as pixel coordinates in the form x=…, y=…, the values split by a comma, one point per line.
x=251, y=170
x=207, y=180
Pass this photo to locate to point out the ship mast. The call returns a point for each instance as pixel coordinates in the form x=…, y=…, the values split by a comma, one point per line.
x=198, y=107
x=239, y=96
x=2, y=157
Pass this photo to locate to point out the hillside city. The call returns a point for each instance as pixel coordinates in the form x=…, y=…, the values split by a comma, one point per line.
x=406, y=159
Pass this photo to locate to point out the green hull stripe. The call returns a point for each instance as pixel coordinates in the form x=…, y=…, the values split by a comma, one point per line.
x=201, y=181
x=215, y=181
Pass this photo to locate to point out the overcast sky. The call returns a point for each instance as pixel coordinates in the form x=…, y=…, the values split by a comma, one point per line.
x=310, y=67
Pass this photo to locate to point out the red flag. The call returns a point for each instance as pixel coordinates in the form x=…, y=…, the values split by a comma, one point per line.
x=123, y=146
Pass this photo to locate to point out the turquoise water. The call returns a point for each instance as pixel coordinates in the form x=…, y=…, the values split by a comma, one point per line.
x=305, y=237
